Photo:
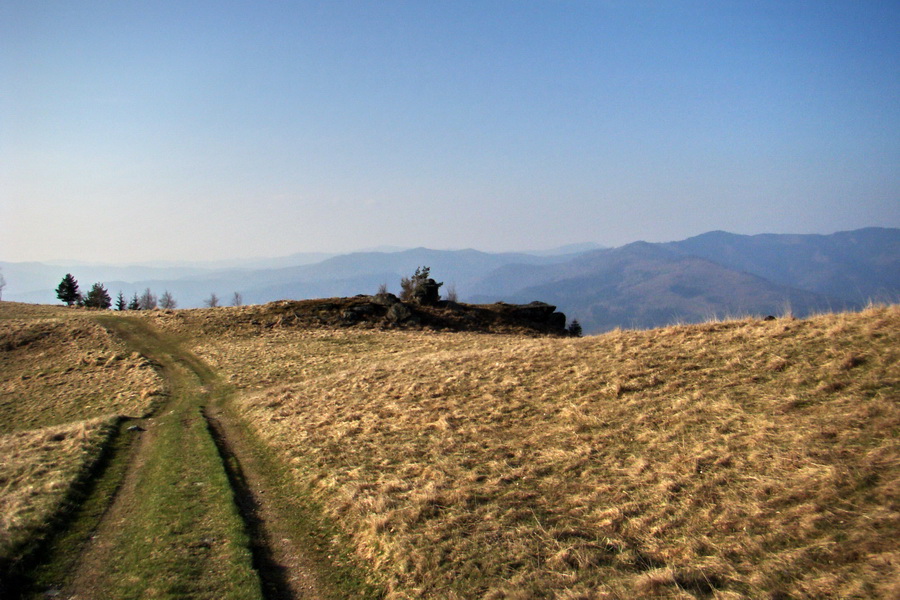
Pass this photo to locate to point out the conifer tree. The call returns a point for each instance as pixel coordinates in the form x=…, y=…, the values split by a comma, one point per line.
x=574, y=328
x=98, y=297
x=120, y=302
x=135, y=303
x=67, y=291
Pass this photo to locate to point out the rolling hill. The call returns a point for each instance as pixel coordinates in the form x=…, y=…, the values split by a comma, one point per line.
x=648, y=285
x=713, y=275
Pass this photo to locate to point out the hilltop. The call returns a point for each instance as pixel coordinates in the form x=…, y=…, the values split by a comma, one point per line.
x=733, y=459
x=379, y=312
x=730, y=459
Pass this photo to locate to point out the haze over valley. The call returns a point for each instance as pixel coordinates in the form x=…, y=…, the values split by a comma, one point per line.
x=642, y=285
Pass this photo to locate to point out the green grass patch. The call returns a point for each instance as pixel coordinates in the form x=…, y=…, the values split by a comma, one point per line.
x=184, y=538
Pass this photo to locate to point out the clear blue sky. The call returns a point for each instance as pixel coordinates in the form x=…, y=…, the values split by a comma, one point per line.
x=133, y=131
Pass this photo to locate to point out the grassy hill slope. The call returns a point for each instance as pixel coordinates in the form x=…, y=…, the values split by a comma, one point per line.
x=738, y=459
x=727, y=460
x=64, y=380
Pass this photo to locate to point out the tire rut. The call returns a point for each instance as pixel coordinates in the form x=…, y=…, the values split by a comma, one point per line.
x=284, y=570
x=83, y=582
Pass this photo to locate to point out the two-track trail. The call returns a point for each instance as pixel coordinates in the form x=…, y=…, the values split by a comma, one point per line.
x=192, y=517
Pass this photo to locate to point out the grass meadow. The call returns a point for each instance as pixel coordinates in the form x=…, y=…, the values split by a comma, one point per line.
x=63, y=382
x=733, y=459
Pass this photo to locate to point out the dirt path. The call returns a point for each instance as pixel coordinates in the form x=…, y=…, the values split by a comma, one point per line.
x=281, y=565
x=85, y=582
x=286, y=569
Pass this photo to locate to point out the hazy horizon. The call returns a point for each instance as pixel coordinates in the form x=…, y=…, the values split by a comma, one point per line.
x=198, y=131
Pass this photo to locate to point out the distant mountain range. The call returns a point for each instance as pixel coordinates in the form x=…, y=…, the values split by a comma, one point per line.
x=713, y=275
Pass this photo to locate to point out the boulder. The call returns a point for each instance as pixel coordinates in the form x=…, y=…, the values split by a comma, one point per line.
x=427, y=293
x=360, y=312
x=385, y=299
x=399, y=313
x=539, y=312
x=557, y=320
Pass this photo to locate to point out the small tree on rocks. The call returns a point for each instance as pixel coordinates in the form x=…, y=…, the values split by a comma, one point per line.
x=420, y=288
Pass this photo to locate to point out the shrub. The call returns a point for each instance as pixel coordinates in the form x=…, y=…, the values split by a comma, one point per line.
x=148, y=300
x=574, y=328
x=420, y=288
x=452, y=296
x=167, y=301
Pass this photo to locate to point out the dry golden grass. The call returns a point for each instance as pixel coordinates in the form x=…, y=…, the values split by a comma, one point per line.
x=37, y=469
x=727, y=460
x=62, y=377
x=58, y=366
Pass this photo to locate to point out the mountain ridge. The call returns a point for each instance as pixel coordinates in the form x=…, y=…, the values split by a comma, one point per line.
x=641, y=284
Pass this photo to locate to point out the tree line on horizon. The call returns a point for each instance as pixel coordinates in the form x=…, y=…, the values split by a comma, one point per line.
x=98, y=297
x=419, y=288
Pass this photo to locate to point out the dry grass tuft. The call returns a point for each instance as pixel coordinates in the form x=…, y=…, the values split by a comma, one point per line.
x=62, y=378
x=37, y=470
x=64, y=368
x=732, y=459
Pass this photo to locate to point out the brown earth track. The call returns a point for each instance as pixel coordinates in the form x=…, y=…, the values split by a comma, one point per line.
x=84, y=582
x=286, y=569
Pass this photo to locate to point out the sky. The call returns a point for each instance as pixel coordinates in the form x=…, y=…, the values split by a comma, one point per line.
x=190, y=130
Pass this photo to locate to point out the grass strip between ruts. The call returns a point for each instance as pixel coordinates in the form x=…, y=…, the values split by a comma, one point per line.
x=173, y=530
x=183, y=537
